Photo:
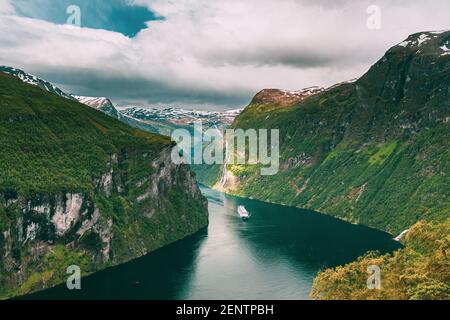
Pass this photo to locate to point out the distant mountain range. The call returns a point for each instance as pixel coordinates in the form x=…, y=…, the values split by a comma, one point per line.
x=34, y=80
x=182, y=116
x=168, y=119
x=161, y=121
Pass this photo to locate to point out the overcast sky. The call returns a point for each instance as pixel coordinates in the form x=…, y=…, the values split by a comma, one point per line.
x=208, y=53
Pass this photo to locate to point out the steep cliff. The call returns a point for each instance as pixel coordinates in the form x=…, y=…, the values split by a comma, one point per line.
x=80, y=188
x=373, y=151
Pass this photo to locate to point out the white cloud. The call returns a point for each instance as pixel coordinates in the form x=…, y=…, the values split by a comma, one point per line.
x=6, y=7
x=218, y=51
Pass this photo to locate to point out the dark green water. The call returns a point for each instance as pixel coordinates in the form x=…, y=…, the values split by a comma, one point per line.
x=275, y=255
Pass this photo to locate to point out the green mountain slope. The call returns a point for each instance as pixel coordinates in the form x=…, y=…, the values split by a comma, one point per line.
x=80, y=188
x=420, y=271
x=374, y=151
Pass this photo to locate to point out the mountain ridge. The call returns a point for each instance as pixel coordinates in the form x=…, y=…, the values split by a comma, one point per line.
x=78, y=187
x=100, y=103
x=161, y=121
x=347, y=150
x=36, y=81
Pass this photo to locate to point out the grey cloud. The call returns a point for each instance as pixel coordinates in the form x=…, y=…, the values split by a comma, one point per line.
x=294, y=57
x=128, y=90
x=217, y=52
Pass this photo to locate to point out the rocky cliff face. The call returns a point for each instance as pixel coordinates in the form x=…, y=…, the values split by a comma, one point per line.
x=372, y=151
x=112, y=196
x=85, y=230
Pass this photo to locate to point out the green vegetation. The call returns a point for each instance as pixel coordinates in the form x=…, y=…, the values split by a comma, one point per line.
x=350, y=172
x=383, y=153
x=51, y=144
x=243, y=170
x=208, y=174
x=419, y=271
x=51, y=270
x=54, y=146
x=372, y=152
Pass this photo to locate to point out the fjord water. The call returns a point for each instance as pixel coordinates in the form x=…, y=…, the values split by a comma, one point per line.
x=275, y=255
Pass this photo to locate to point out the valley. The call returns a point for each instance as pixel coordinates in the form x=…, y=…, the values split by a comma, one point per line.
x=372, y=151
x=232, y=259
x=78, y=187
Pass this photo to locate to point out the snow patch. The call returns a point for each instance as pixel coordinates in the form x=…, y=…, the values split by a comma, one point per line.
x=438, y=32
x=34, y=80
x=179, y=115
x=342, y=83
x=94, y=102
x=418, y=41
x=422, y=39
x=302, y=92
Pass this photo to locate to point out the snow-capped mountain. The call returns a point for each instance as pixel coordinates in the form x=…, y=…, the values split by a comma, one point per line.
x=100, y=103
x=285, y=97
x=183, y=117
x=32, y=79
x=162, y=121
x=167, y=119
x=421, y=42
